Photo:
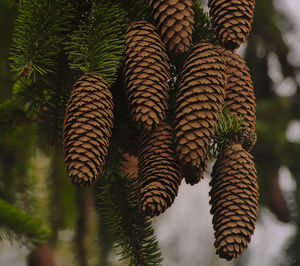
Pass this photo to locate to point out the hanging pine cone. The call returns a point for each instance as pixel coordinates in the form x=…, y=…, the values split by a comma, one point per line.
x=231, y=20
x=247, y=137
x=159, y=174
x=234, y=200
x=198, y=105
x=175, y=21
x=146, y=75
x=88, y=125
x=239, y=94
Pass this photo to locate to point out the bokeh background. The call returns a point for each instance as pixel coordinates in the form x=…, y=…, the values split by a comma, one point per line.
x=31, y=179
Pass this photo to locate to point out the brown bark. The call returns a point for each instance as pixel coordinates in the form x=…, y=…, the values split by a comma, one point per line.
x=41, y=255
x=85, y=202
x=277, y=202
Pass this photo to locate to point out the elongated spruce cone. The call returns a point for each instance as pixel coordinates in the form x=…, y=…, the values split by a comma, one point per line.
x=146, y=75
x=159, y=172
x=231, y=20
x=175, y=21
x=239, y=92
x=199, y=102
x=88, y=125
x=234, y=200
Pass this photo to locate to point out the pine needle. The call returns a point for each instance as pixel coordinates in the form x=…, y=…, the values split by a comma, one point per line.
x=131, y=231
x=39, y=32
x=97, y=46
x=202, y=28
x=21, y=226
x=225, y=133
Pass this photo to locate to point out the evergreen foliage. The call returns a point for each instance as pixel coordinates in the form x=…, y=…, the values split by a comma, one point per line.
x=226, y=132
x=16, y=224
x=129, y=228
x=39, y=30
x=203, y=28
x=61, y=194
x=97, y=45
x=136, y=9
x=12, y=3
x=16, y=146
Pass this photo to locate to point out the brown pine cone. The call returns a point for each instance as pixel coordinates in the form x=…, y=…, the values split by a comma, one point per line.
x=247, y=137
x=159, y=173
x=88, y=125
x=198, y=105
x=146, y=75
x=239, y=93
x=175, y=21
x=234, y=200
x=231, y=20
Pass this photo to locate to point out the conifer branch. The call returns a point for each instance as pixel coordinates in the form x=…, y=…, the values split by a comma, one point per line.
x=21, y=226
x=136, y=9
x=202, y=29
x=13, y=3
x=226, y=131
x=39, y=31
x=130, y=229
x=97, y=46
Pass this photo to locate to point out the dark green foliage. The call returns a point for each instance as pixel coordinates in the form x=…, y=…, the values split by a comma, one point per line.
x=29, y=95
x=12, y=3
x=16, y=224
x=61, y=195
x=136, y=9
x=16, y=146
x=203, y=29
x=97, y=45
x=11, y=114
x=7, y=17
x=130, y=230
x=39, y=31
x=125, y=130
x=50, y=118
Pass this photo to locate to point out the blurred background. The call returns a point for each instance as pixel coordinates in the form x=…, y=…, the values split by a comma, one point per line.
x=35, y=181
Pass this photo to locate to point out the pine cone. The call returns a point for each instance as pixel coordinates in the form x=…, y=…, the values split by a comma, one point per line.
x=231, y=20
x=146, y=75
x=159, y=174
x=198, y=105
x=247, y=137
x=234, y=199
x=239, y=94
x=88, y=125
x=175, y=21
